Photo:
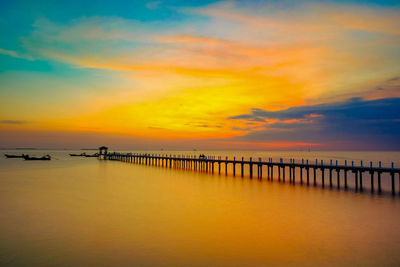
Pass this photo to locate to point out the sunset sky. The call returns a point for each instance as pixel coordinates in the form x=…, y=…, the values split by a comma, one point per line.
x=200, y=74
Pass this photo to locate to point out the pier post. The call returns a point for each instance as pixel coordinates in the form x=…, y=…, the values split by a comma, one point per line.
x=315, y=172
x=283, y=173
x=301, y=172
x=301, y=175
x=338, y=175
x=330, y=175
x=372, y=177
x=345, y=174
x=379, y=178
x=361, y=180
x=338, y=178
x=392, y=174
x=234, y=166
x=251, y=167
x=272, y=171
x=242, y=166
x=393, y=182
x=308, y=174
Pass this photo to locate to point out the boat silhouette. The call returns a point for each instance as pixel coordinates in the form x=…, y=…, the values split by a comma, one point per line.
x=14, y=156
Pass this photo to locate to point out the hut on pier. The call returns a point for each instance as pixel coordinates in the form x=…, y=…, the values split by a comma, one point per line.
x=103, y=152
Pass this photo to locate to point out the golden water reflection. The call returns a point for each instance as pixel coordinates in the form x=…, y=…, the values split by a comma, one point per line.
x=84, y=211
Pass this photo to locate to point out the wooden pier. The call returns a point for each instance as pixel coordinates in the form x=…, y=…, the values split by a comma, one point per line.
x=306, y=170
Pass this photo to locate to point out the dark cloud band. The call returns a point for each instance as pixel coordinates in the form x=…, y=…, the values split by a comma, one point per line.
x=368, y=124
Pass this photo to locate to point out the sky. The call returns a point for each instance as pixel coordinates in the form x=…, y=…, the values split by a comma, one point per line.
x=179, y=74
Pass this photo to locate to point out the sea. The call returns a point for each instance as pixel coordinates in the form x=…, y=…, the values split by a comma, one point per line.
x=77, y=211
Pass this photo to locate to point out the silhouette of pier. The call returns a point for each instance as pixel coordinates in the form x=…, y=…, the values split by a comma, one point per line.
x=284, y=171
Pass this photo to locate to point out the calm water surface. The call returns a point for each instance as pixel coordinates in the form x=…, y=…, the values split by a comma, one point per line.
x=83, y=211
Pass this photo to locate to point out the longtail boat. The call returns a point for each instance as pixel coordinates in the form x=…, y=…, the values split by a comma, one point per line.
x=14, y=156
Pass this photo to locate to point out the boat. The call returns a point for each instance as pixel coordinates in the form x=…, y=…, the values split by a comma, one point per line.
x=78, y=155
x=14, y=156
x=47, y=157
x=92, y=156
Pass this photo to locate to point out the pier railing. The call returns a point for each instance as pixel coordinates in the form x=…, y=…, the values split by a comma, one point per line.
x=305, y=169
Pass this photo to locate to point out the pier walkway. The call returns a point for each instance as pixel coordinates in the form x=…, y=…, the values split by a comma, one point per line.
x=285, y=170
